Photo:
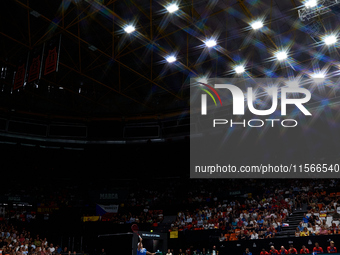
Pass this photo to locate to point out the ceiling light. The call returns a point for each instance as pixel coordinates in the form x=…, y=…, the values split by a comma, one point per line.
x=172, y=8
x=318, y=75
x=281, y=55
x=170, y=59
x=203, y=79
x=210, y=43
x=257, y=25
x=239, y=69
x=311, y=3
x=129, y=29
x=330, y=39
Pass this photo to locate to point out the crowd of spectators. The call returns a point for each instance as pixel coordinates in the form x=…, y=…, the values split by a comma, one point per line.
x=259, y=211
x=192, y=251
x=15, y=241
x=253, y=219
x=263, y=216
x=152, y=217
x=322, y=217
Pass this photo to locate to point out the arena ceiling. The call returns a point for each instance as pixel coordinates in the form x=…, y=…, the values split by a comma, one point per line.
x=105, y=72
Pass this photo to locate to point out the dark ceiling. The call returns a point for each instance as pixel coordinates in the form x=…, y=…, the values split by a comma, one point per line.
x=126, y=74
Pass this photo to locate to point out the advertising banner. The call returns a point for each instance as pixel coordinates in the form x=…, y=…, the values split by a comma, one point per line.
x=103, y=209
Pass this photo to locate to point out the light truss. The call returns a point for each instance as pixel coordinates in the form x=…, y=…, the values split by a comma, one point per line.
x=322, y=7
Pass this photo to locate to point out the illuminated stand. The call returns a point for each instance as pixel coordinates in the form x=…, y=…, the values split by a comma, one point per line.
x=153, y=242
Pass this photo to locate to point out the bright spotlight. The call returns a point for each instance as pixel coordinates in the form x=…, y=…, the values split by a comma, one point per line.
x=129, y=29
x=311, y=3
x=293, y=84
x=210, y=43
x=257, y=24
x=239, y=69
x=269, y=90
x=203, y=79
x=330, y=39
x=172, y=8
x=318, y=76
x=170, y=59
x=281, y=55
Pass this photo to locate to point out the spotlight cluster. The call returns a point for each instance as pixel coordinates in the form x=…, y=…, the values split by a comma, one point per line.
x=256, y=25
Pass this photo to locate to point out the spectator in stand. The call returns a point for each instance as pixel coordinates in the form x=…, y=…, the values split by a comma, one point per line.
x=304, y=250
x=277, y=226
x=272, y=229
x=311, y=220
x=323, y=231
x=169, y=252
x=317, y=249
x=222, y=238
x=297, y=232
x=241, y=235
x=44, y=242
x=260, y=221
x=247, y=252
x=334, y=228
x=305, y=218
x=317, y=221
x=324, y=223
x=254, y=235
x=283, y=250
x=37, y=242
x=239, y=223
x=300, y=227
x=273, y=250
x=292, y=250
x=58, y=249
x=336, y=215
x=229, y=228
x=331, y=248
x=43, y=251
x=314, y=232
x=180, y=252
x=305, y=232
x=261, y=235
x=234, y=224
x=200, y=222
x=263, y=252
x=51, y=248
x=298, y=202
x=103, y=252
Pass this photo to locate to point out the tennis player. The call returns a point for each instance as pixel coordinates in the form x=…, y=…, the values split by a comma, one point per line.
x=141, y=250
